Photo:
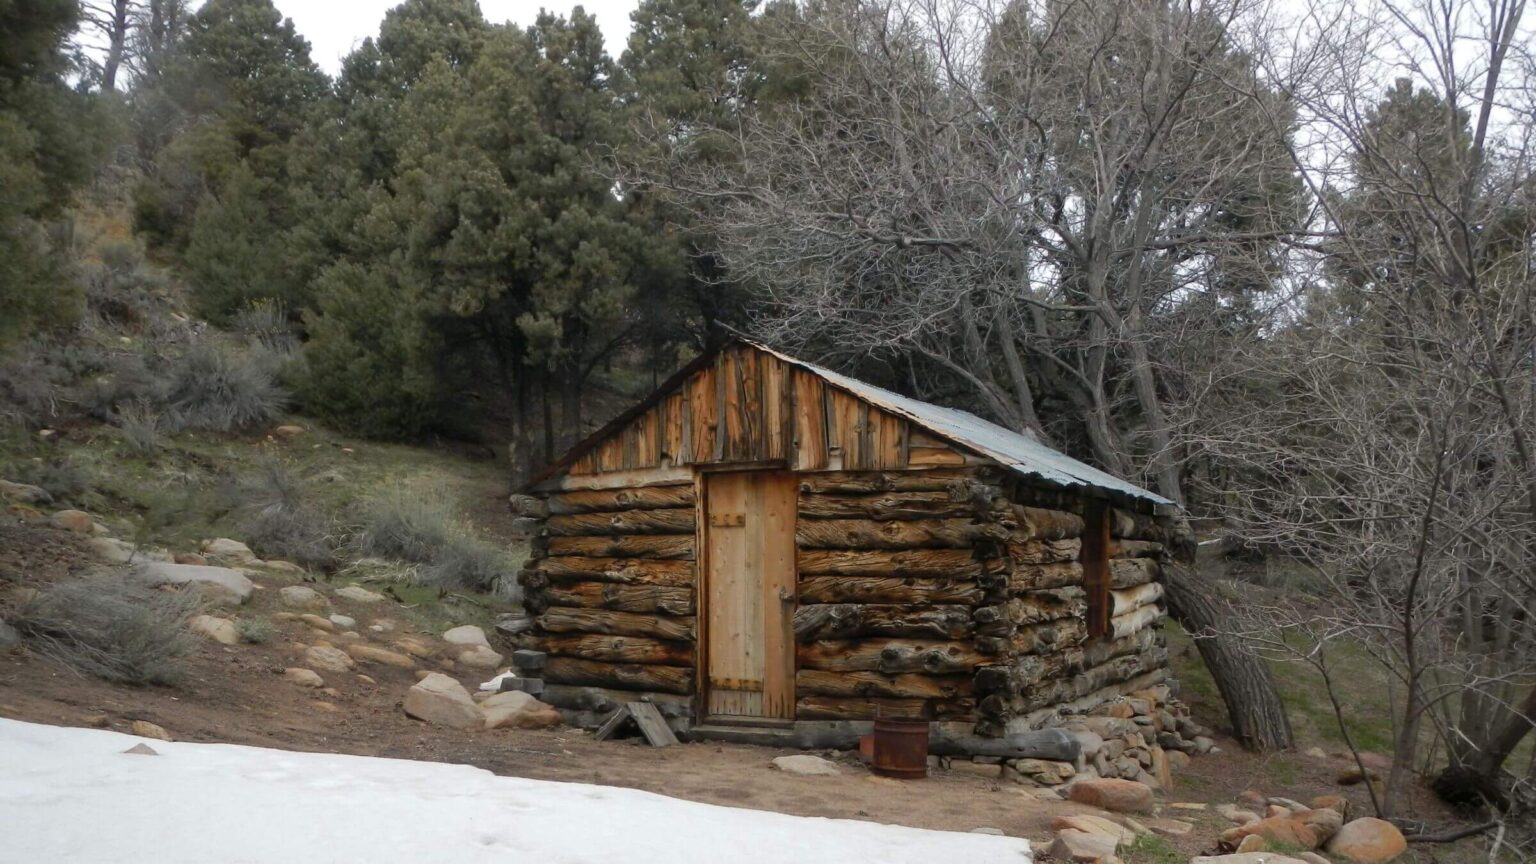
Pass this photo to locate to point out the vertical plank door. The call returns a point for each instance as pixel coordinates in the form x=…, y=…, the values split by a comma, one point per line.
x=749, y=601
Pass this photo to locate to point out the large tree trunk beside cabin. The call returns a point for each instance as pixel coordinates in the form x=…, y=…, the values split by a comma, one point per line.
x=1247, y=687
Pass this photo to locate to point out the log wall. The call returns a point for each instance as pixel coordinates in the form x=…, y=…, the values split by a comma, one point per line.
x=1035, y=629
x=612, y=584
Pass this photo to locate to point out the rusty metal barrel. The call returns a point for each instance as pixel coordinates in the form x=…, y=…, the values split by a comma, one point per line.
x=900, y=749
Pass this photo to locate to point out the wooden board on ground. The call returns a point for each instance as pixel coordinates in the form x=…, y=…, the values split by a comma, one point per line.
x=645, y=717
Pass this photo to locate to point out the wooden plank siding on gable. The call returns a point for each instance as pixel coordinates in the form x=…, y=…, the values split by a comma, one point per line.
x=747, y=406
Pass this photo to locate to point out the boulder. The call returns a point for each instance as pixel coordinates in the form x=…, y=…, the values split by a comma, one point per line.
x=468, y=634
x=359, y=594
x=1170, y=827
x=74, y=521
x=1119, y=796
x=220, y=584
x=288, y=567
x=374, y=654
x=303, y=597
x=304, y=677
x=442, y=701
x=328, y=658
x=190, y=558
x=1368, y=841
x=324, y=625
x=221, y=630
x=479, y=657
x=1315, y=753
x=1312, y=858
x=1337, y=803
x=344, y=621
x=1046, y=772
x=1088, y=823
x=1234, y=813
x=227, y=551
x=24, y=493
x=141, y=749
x=1251, y=843
x=517, y=710
x=1082, y=847
x=1306, y=830
x=416, y=647
x=146, y=729
x=9, y=637
x=805, y=764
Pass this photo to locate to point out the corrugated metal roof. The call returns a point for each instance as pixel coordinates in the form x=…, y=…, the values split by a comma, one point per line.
x=1018, y=452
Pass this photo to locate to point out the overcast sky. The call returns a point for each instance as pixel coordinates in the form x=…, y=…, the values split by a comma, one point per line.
x=334, y=27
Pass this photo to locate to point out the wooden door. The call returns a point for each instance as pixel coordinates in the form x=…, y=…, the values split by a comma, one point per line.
x=749, y=581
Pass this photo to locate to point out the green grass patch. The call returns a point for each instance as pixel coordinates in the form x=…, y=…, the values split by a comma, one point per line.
x=1150, y=849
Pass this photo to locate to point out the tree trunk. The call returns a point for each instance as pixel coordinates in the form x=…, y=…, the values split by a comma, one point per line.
x=1246, y=685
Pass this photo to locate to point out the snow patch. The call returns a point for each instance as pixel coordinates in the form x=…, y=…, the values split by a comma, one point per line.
x=73, y=795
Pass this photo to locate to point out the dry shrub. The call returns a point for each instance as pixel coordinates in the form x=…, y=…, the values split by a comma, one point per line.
x=279, y=522
x=411, y=526
x=112, y=628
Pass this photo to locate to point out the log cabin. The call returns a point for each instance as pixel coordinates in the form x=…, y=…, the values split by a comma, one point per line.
x=763, y=543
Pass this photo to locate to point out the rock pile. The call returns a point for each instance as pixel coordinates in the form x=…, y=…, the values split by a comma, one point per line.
x=1143, y=737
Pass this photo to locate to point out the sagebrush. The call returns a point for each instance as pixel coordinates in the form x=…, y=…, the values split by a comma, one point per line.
x=112, y=628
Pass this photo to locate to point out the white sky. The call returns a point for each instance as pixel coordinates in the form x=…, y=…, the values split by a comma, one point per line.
x=333, y=27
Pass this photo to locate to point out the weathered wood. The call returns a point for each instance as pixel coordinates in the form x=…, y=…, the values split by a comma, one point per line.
x=932, y=563
x=1036, y=523
x=1052, y=714
x=1045, y=551
x=609, y=500
x=672, y=573
x=676, y=521
x=563, y=619
x=848, y=620
x=894, y=534
x=870, y=589
x=668, y=476
x=1042, y=637
x=1134, y=620
x=1096, y=577
x=818, y=681
x=625, y=546
x=1125, y=525
x=1130, y=572
x=603, y=700
x=869, y=482
x=818, y=707
x=1032, y=669
x=634, y=676
x=1035, y=577
x=528, y=506
x=1053, y=744
x=1129, y=599
x=891, y=656
x=1050, y=605
x=1119, y=548
x=624, y=598
x=890, y=505
x=619, y=649
x=644, y=717
x=1061, y=690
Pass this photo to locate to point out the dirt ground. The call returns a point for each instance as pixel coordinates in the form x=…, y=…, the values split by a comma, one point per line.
x=237, y=694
